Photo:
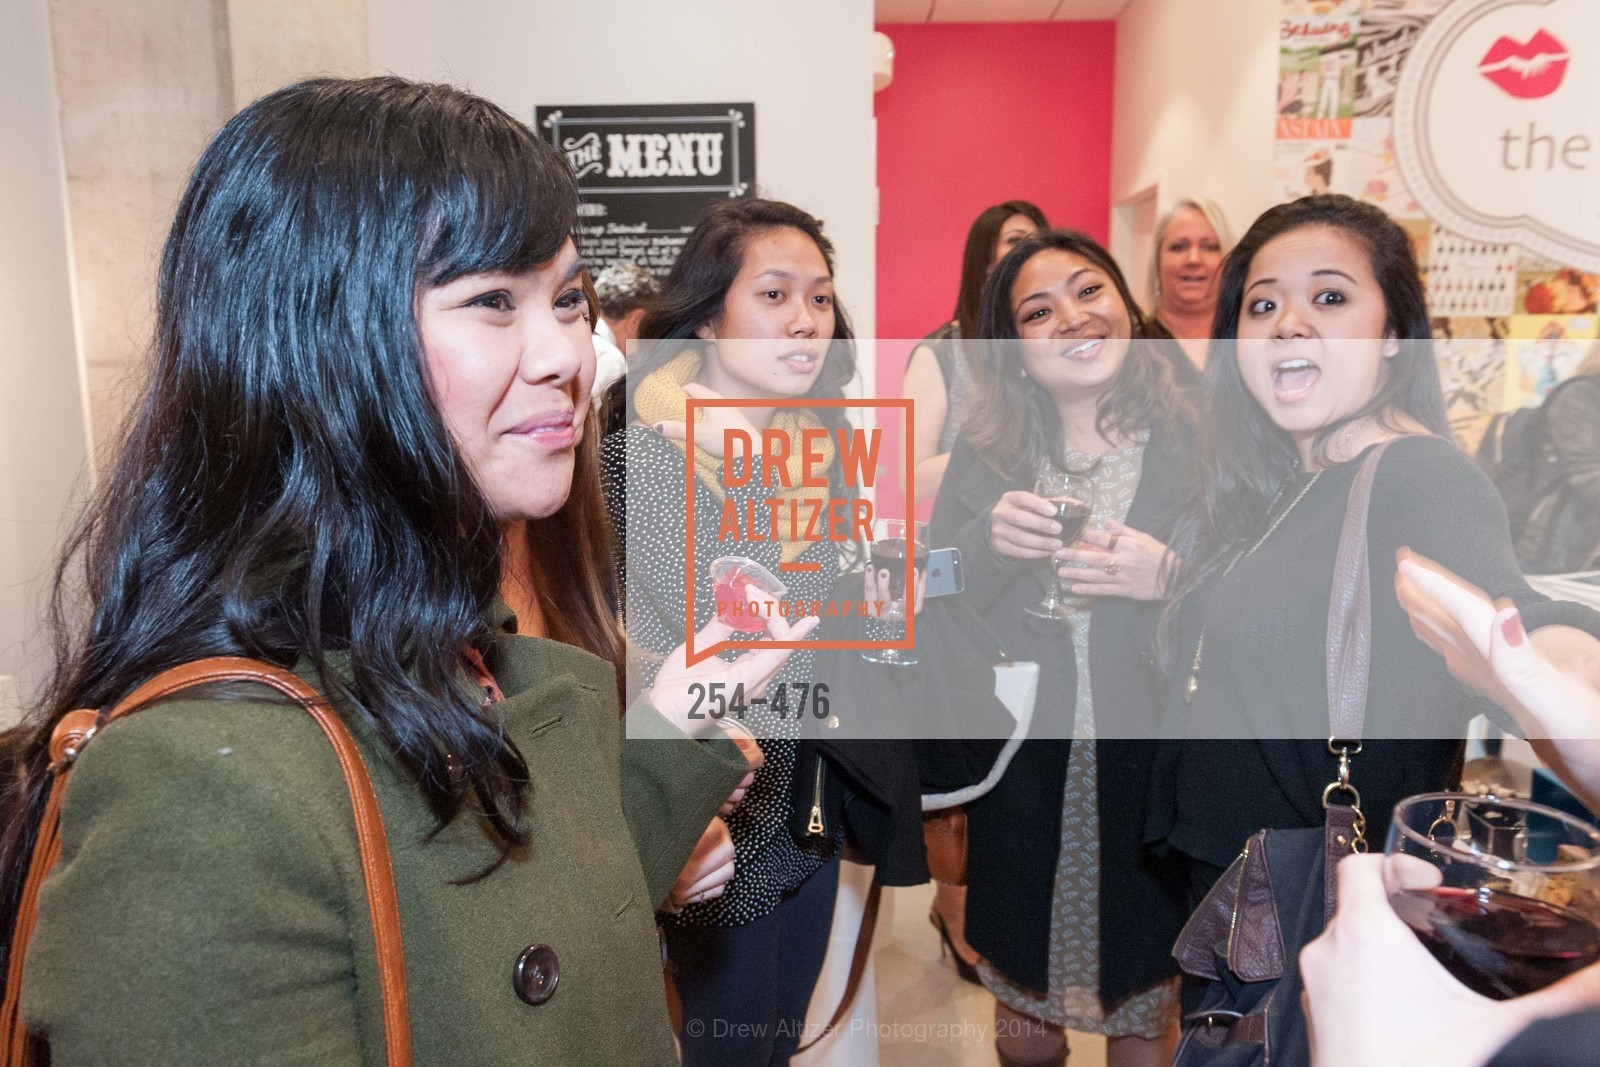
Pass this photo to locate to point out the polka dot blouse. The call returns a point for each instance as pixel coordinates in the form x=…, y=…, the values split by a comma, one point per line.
x=645, y=472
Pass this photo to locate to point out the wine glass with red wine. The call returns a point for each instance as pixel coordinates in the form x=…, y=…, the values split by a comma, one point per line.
x=1504, y=893
x=1072, y=495
x=893, y=540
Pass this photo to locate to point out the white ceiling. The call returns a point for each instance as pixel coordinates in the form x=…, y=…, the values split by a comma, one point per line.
x=996, y=10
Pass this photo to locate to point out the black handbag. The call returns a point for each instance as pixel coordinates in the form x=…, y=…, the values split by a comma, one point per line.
x=1245, y=938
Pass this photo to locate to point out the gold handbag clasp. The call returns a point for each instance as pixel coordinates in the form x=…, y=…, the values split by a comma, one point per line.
x=1344, y=750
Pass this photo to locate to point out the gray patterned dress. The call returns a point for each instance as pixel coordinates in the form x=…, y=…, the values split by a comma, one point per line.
x=1073, y=999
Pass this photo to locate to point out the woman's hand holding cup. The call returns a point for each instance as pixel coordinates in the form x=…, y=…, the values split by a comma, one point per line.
x=1022, y=525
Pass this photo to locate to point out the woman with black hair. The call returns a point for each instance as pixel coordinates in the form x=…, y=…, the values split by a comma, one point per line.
x=371, y=362
x=1073, y=921
x=1325, y=352
x=938, y=377
x=747, y=313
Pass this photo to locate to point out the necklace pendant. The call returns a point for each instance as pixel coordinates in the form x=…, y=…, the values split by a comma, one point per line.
x=1191, y=689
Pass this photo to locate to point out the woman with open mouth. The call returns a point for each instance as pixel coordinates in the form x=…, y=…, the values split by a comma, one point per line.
x=1324, y=352
x=1072, y=919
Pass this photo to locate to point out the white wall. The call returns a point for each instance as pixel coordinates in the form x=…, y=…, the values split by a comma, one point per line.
x=42, y=441
x=807, y=67
x=1196, y=85
x=274, y=42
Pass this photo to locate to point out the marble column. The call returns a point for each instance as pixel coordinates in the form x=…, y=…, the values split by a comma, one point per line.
x=142, y=87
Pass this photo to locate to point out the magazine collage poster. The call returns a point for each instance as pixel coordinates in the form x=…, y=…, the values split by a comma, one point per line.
x=1520, y=321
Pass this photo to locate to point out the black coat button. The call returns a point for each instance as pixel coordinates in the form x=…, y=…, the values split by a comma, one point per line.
x=536, y=974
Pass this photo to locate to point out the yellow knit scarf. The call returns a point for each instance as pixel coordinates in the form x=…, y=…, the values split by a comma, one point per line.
x=660, y=398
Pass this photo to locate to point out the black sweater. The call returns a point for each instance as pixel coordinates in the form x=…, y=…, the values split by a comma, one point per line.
x=1014, y=838
x=1263, y=673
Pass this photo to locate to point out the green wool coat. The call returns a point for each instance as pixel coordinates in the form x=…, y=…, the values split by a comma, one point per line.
x=208, y=907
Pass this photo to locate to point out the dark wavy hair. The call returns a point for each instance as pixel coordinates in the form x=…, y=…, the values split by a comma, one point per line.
x=978, y=255
x=1245, y=458
x=1014, y=424
x=698, y=285
x=287, y=488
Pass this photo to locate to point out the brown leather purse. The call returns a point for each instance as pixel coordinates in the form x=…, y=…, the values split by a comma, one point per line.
x=77, y=728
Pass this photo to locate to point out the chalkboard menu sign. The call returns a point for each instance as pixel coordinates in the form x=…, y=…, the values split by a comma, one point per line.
x=648, y=172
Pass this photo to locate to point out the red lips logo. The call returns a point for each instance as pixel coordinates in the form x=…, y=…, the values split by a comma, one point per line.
x=1526, y=71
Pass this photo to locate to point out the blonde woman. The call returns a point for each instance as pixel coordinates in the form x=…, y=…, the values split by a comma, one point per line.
x=1191, y=240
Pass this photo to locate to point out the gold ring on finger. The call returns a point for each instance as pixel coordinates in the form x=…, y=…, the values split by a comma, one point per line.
x=1113, y=567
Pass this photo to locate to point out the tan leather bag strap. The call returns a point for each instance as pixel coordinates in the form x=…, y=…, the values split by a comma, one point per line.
x=75, y=730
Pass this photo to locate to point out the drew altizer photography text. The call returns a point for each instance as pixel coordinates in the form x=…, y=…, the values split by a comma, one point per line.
x=839, y=520
x=764, y=476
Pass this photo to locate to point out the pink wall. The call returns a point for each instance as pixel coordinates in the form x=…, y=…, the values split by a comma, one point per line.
x=979, y=113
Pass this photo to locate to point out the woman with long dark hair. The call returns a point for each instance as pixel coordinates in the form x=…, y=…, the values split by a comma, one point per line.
x=938, y=377
x=748, y=313
x=1073, y=921
x=371, y=361
x=1323, y=352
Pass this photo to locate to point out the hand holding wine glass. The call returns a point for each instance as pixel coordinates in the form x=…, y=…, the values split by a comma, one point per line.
x=1374, y=996
x=1115, y=560
x=1022, y=526
x=896, y=545
x=1504, y=893
x=1071, y=500
x=877, y=586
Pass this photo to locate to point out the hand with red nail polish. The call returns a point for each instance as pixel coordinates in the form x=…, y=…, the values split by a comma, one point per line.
x=1548, y=681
